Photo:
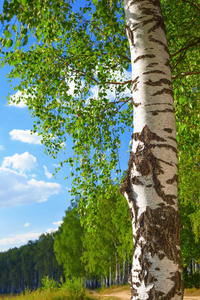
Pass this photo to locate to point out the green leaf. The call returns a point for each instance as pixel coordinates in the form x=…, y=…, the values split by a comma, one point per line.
x=14, y=28
x=25, y=41
x=9, y=43
x=18, y=44
x=7, y=33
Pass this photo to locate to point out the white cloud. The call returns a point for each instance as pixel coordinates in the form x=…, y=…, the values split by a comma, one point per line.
x=21, y=104
x=47, y=173
x=19, y=239
x=26, y=225
x=25, y=136
x=51, y=230
x=23, y=162
x=16, y=96
x=57, y=223
x=2, y=148
x=16, y=189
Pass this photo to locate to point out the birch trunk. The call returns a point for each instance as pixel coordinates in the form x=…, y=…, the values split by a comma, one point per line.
x=151, y=183
x=110, y=277
x=116, y=269
x=124, y=272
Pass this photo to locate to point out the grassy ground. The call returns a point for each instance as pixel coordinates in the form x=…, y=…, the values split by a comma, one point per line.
x=47, y=295
x=62, y=294
x=192, y=292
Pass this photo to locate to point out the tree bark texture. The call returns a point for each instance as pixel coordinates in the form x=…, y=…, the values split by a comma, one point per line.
x=151, y=183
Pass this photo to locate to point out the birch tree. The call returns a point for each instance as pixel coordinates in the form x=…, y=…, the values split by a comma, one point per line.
x=151, y=183
x=87, y=46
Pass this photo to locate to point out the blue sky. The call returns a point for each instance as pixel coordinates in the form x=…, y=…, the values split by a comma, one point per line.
x=32, y=200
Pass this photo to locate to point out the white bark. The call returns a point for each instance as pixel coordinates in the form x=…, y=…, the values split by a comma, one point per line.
x=151, y=184
x=110, y=276
x=124, y=272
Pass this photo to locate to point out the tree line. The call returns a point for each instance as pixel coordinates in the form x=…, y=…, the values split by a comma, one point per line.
x=101, y=253
x=26, y=266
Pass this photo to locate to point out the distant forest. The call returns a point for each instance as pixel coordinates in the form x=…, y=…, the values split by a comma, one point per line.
x=99, y=252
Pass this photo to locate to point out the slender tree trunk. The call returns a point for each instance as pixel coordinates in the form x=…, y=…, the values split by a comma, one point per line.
x=151, y=183
x=110, y=276
x=116, y=268
x=128, y=269
x=120, y=280
x=124, y=271
x=106, y=281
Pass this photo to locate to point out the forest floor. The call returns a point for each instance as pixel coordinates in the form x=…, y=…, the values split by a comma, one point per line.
x=123, y=293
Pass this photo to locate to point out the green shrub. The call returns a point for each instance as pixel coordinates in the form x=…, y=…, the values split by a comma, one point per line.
x=75, y=288
x=48, y=284
x=192, y=281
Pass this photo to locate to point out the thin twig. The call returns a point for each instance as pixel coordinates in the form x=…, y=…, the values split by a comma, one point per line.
x=185, y=48
x=186, y=74
x=192, y=4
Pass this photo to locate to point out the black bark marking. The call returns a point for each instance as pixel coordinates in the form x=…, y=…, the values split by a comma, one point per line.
x=172, y=180
x=152, y=65
x=169, y=130
x=156, y=112
x=164, y=146
x=143, y=57
x=138, y=284
x=136, y=181
x=158, y=83
x=151, y=39
x=166, y=162
x=172, y=138
x=164, y=91
x=136, y=1
x=135, y=80
x=159, y=23
x=147, y=163
x=168, y=64
x=129, y=34
x=146, y=136
x=136, y=104
x=134, y=88
x=162, y=103
x=154, y=72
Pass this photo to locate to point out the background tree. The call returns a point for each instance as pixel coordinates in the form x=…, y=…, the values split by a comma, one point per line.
x=68, y=244
x=109, y=242
x=46, y=263
x=28, y=265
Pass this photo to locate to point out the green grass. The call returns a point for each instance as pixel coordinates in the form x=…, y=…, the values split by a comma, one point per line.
x=75, y=291
x=192, y=292
x=45, y=295
x=70, y=290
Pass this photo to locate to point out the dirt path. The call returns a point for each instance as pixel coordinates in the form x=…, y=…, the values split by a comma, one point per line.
x=120, y=295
